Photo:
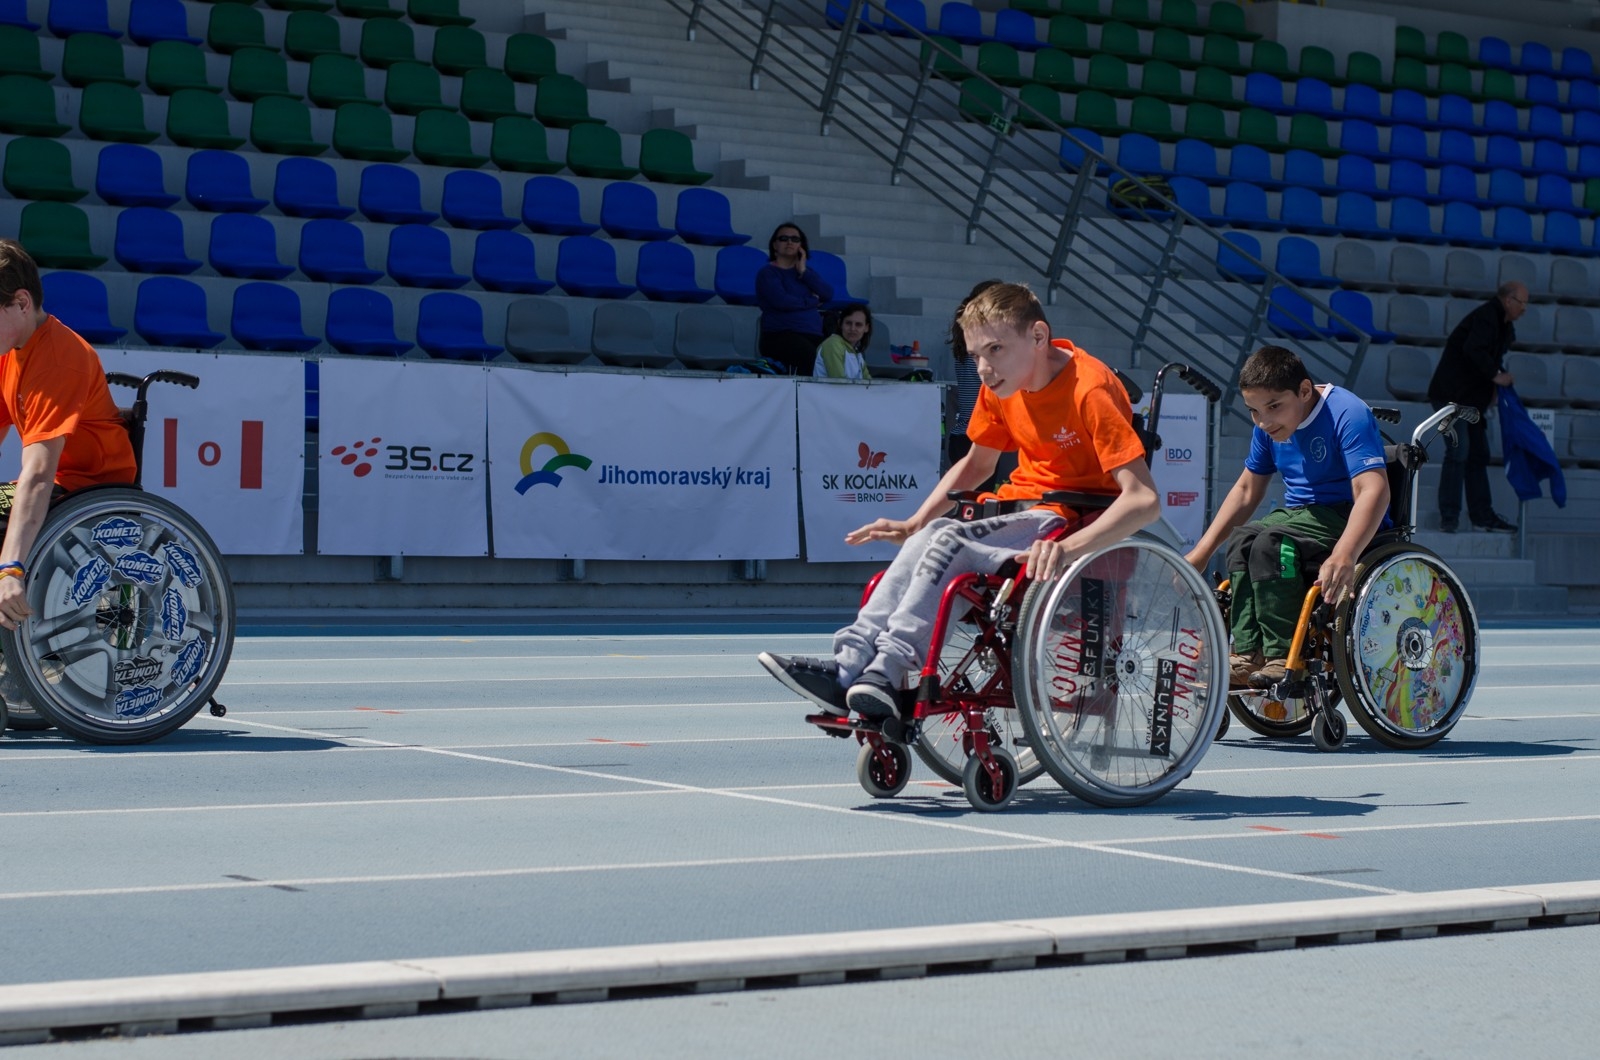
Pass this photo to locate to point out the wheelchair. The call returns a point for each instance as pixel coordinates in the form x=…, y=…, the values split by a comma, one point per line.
x=1110, y=677
x=1400, y=650
x=133, y=610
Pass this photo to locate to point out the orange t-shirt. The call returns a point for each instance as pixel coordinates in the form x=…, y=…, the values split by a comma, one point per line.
x=1068, y=436
x=54, y=385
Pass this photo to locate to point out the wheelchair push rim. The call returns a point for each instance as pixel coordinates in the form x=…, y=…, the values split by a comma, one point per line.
x=942, y=745
x=133, y=618
x=1123, y=672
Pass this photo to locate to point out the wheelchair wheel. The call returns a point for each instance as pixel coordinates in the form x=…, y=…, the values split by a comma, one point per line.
x=1405, y=647
x=883, y=768
x=133, y=618
x=1122, y=672
x=20, y=713
x=1270, y=717
x=965, y=665
x=985, y=792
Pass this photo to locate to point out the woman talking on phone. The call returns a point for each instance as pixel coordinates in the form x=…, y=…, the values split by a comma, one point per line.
x=790, y=296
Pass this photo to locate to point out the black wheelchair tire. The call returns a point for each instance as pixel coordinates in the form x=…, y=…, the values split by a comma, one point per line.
x=1266, y=726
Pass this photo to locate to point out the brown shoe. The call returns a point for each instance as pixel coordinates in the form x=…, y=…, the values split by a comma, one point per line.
x=1241, y=666
x=1271, y=673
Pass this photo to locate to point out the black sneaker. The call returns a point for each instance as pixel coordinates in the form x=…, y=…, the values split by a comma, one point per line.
x=1496, y=525
x=1448, y=526
x=813, y=679
x=873, y=697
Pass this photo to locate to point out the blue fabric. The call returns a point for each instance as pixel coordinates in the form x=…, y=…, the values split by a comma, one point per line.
x=790, y=301
x=1529, y=457
x=1319, y=460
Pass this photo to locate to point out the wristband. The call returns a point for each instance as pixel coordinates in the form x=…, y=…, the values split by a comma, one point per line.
x=12, y=570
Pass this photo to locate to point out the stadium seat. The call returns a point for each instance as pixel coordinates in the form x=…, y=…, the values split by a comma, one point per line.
x=363, y=130
x=703, y=338
x=451, y=326
x=1165, y=81
x=220, y=181
x=1570, y=281
x=308, y=34
x=831, y=268
x=518, y=144
x=1262, y=91
x=550, y=204
x=1289, y=313
x=168, y=311
x=283, y=127
x=385, y=42
x=1576, y=64
x=197, y=118
x=1300, y=261
x=1196, y=159
x=961, y=22
x=666, y=273
x=489, y=95
x=28, y=107
x=368, y=9
x=904, y=18
x=529, y=58
x=1580, y=381
x=1054, y=68
x=1203, y=121
x=1259, y=128
x=629, y=211
x=259, y=73
x=1303, y=169
x=1550, y=157
x=1227, y=18
x=419, y=256
x=562, y=101
x=40, y=169
x=361, y=321
x=266, y=316
x=1356, y=266
x=1503, y=152
x=1017, y=28
x=437, y=13
x=151, y=22
x=335, y=252
x=1463, y=225
x=624, y=336
x=129, y=175
x=507, y=261
x=735, y=276
x=704, y=216
x=444, y=138
x=233, y=26
x=596, y=151
x=1356, y=308
x=667, y=155
x=15, y=13
x=1250, y=164
x=19, y=54
x=305, y=187
x=66, y=17
x=1069, y=34
x=1408, y=371
x=458, y=50
x=1072, y=151
x=392, y=195
x=587, y=267
x=1409, y=179
x=174, y=65
x=1245, y=204
x=473, y=200
x=336, y=80
x=1561, y=234
x=1554, y=192
x=1513, y=229
x=89, y=57
x=1195, y=197
x=79, y=301
x=1410, y=219
x=539, y=331
x=1411, y=269
x=1140, y=155
x=1413, y=321
x=1172, y=46
x=411, y=88
x=1232, y=264
x=1356, y=214
x=246, y=246
x=1467, y=276
x=1459, y=184
x=151, y=240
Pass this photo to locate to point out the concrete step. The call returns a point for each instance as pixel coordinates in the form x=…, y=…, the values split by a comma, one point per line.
x=602, y=21
x=1517, y=601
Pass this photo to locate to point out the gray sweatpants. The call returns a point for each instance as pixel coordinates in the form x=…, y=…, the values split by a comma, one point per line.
x=890, y=634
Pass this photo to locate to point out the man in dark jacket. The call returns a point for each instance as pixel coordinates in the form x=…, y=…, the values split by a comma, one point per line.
x=1469, y=371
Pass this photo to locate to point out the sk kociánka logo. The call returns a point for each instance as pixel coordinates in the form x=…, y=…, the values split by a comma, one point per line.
x=550, y=473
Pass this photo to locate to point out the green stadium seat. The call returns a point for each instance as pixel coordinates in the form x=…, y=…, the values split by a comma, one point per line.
x=234, y=26
x=40, y=169
x=1499, y=84
x=1215, y=87
x=1070, y=35
x=529, y=57
x=1270, y=57
x=488, y=95
x=1153, y=118
x=1000, y=63
x=457, y=49
x=336, y=80
x=563, y=102
x=282, y=126
x=1228, y=18
x=110, y=111
x=1109, y=74
x=444, y=138
x=196, y=118
x=980, y=102
x=437, y=13
x=1259, y=128
x=1174, y=46
x=1309, y=132
x=595, y=151
x=1453, y=47
x=1591, y=194
x=19, y=54
x=385, y=42
x=1120, y=40
x=173, y=65
x=28, y=106
x=1410, y=43
x=946, y=56
x=308, y=34
x=1088, y=10
x=376, y=9
x=1133, y=13
x=667, y=155
x=1041, y=107
x=256, y=73
x=1203, y=121
x=1317, y=62
x=57, y=236
x=1364, y=68
x=301, y=5
x=1222, y=51
x=1037, y=8
x=90, y=57
x=1412, y=74
x=1180, y=14
x=363, y=130
x=1098, y=111
x=412, y=88
x=1163, y=80
x=519, y=144
x=1055, y=68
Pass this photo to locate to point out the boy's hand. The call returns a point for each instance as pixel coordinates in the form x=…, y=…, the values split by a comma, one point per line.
x=895, y=530
x=1336, y=576
x=1046, y=559
x=1198, y=561
x=13, y=602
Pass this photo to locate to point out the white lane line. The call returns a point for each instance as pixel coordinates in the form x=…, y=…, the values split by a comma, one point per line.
x=1341, y=831
x=1525, y=717
x=1418, y=763
x=921, y=822
x=330, y=804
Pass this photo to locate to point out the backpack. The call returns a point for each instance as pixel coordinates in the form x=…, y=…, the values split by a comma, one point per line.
x=1125, y=193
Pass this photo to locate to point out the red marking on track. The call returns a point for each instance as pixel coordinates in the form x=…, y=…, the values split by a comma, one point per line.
x=624, y=743
x=375, y=710
x=935, y=784
x=1265, y=828
x=1321, y=835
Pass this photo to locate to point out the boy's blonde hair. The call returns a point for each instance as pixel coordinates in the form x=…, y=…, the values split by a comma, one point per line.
x=1012, y=304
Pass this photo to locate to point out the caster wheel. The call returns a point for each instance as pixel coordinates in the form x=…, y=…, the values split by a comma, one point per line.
x=1328, y=731
x=982, y=790
x=1222, y=730
x=883, y=768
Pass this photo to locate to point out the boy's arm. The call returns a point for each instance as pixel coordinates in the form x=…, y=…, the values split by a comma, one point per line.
x=28, y=510
x=1136, y=506
x=1236, y=508
x=1337, y=574
x=971, y=471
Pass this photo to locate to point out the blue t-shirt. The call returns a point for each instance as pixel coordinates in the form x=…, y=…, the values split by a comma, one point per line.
x=1339, y=441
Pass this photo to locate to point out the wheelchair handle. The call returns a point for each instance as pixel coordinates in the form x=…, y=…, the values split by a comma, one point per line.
x=1443, y=421
x=1195, y=378
x=1386, y=415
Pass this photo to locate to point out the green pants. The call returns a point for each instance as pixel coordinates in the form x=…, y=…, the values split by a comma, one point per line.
x=1271, y=564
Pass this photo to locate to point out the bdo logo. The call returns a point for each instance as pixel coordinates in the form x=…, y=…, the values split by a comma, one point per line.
x=549, y=474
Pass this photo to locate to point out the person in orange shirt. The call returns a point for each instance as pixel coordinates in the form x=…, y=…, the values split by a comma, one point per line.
x=53, y=390
x=1067, y=417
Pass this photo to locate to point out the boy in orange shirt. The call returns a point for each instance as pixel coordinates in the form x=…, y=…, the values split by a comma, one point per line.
x=1068, y=418
x=53, y=389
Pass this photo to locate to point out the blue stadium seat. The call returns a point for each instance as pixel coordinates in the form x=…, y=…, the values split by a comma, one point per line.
x=130, y=175
x=1583, y=95
x=1547, y=123
x=1513, y=230
x=1535, y=58
x=1554, y=192
x=266, y=316
x=1264, y=91
x=1245, y=204
x=1139, y=154
x=1562, y=235
x=1412, y=221
x=1195, y=197
x=246, y=246
x=15, y=13
x=335, y=252
x=1542, y=88
x=1289, y=313
x=419, y=256
x=1301, y=210
x=1360, y=137
x=473, y=200
x=1456, y=148
x=1577, y=64
x=587, y=267
x=361, y=321
x=705, y=217
x=665, y=273
x=1364, y=102
x=1233, y=265
x=550, y=204
x=507, y=261
x=1312, y=96
x=1507, y=188
x=1299, y=260
x=1072, y=156
x=1459, y=184
x=1016, y=28
x=1408, y=141
x=305, y=187
x=79, y=301
x=67, y=17
x=1456, y=112
x=831, y=267
x=1251, y=165
x=1353, y=173
x=1409, y=179
x=735, y=277
x=961, y=23
x=1463, y=225
x=168, y=311
x=1357, y=215
x=392, y=194
x=451, y=326
x=836, y=10
x=157, y=20
x=1585, y=128
x=1588, y=161
x=629, y=211
x=1550, y=157
x=1407, y=107
x=220, y=181
x=1357, y=309
x=1501, y=116
x=1503, y=152
x=1196, y=159
x=911, y=12
x=151, y=240
x=1492, y=51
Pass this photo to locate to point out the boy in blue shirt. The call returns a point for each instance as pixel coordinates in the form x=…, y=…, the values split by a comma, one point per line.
x=1324, y=441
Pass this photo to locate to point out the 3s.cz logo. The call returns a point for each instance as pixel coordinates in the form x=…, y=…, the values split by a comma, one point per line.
x=550, y=473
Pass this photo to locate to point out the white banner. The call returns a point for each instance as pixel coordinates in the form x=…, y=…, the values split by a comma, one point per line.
x=594, y=466
x=865, y=452
x=401, y=467
x=1179, y=468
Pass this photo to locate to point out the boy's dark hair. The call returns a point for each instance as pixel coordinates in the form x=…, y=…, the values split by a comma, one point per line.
x=855, y=307
x=772, y=240
x=1273, y=368
x=958, y=337
x=18, y=273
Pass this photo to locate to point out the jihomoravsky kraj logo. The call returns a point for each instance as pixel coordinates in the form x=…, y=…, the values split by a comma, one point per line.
x=550, y=473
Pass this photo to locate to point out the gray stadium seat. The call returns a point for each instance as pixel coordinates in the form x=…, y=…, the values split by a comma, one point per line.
x=1538, y=377
x=539, y=331
x=1466, y=274
x=1356, y=265
x=704, y=339
x=1580, y=381
x=1522, y=270
x=1571, y=281
x=1574, y=330
x=1583, y=438
x=1535, y=329
x=1455, y=310
x=1408, y=373
x=1413, y=319
x=1412, y=269
x=624, y=335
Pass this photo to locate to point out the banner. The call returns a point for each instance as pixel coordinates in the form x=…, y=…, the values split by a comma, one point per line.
x=865, y=452
x=611, y=466
x=400, y=462
x=1179, y=467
